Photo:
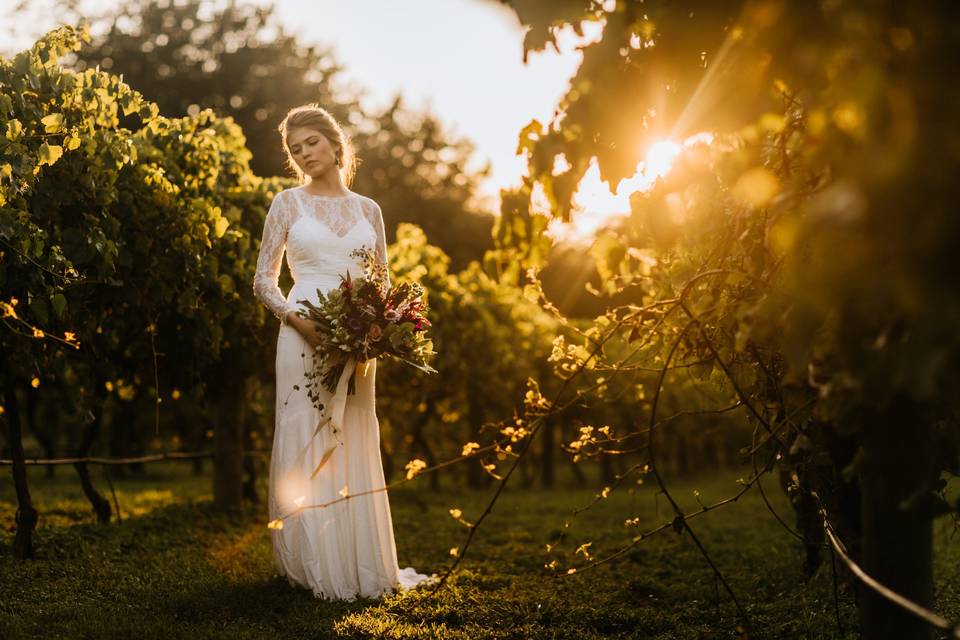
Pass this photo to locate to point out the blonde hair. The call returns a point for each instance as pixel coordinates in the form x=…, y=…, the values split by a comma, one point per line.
x=313, y=116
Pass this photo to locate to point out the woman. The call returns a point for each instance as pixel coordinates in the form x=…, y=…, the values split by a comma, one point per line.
x=346, y=549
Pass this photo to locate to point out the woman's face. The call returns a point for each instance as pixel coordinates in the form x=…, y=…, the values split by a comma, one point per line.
x=312, y=152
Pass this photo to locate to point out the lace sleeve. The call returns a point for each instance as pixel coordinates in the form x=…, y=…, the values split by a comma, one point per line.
x=272, y=246
x=375, y=216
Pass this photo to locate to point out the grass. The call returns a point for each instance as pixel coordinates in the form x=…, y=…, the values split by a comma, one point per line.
x=177, y=568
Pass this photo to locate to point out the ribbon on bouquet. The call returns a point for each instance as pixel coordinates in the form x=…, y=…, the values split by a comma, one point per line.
x=336, y=408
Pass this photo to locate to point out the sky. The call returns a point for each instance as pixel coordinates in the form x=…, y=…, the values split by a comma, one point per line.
x=462, y=59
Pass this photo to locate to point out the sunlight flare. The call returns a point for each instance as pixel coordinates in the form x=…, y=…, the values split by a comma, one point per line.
x=660, y=158
x=594, y=203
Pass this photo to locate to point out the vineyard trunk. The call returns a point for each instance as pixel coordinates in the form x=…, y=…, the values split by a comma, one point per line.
x=896, y=478
x=26, y=517
x=228, y=444
x=100, y=505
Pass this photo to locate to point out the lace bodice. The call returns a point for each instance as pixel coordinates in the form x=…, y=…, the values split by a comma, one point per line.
x=318, y=233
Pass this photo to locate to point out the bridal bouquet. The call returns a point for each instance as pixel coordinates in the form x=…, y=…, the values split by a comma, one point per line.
x=365, y=318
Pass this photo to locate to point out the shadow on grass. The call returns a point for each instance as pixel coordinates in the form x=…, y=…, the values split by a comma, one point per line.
x=189, y=566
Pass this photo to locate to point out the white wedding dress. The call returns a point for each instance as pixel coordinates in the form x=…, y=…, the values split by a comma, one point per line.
x=346, y=549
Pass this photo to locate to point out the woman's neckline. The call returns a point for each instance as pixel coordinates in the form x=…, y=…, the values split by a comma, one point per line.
x=303, y=190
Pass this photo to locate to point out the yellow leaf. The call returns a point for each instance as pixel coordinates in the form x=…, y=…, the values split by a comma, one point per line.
x=220, y=226
x=8, y=310
x=491, y=469
x=129, y=104
x=35, y=382
x=49, y=153
x=454, y=551
x=275, y=524
x=414, y=467
x=14, y=129
x=456, y=513
x=126, y=391
x=52, y=122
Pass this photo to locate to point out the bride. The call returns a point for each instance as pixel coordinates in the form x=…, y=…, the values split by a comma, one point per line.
x=345, y=549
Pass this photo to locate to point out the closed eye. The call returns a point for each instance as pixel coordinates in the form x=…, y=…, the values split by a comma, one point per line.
x=310, y=142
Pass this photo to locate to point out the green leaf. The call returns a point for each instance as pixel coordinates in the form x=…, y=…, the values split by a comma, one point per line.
x=50, y=153
x=59, y=305
x=40, y=311
x=226, y=283
x=21, y=62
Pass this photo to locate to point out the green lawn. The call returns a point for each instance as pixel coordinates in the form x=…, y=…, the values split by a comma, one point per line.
x=176, y=568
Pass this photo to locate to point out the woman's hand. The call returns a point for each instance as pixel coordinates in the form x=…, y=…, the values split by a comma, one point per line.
x=306, y=328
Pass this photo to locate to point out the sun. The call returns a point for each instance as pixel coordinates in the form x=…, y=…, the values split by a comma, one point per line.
x=593, y=201
x=660, y=158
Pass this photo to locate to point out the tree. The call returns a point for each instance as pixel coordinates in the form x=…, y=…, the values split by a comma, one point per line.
x=787, y=252
x=132, y=246
x=239, y=61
